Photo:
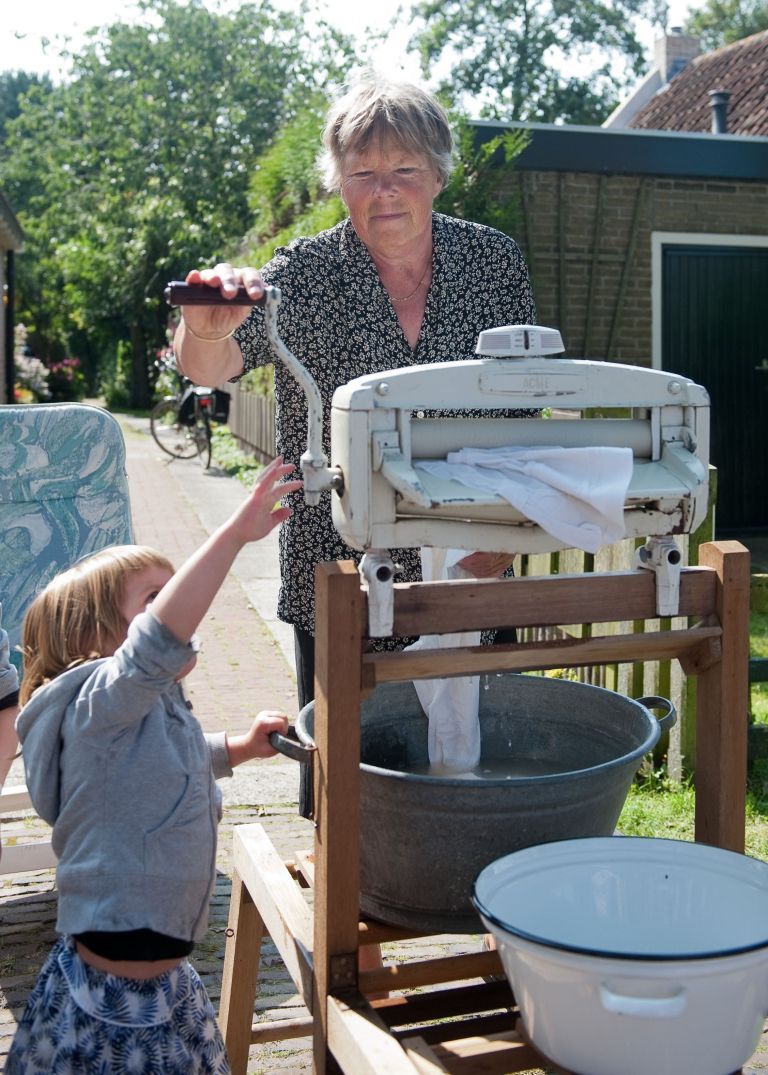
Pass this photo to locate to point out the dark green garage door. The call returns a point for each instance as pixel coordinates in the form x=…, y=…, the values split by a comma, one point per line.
x=715, y=330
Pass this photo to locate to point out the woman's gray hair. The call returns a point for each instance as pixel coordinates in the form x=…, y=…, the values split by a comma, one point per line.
x=379, y=110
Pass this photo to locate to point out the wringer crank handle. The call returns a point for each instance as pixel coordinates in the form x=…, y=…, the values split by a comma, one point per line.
x=177, y=293
x=317, y=475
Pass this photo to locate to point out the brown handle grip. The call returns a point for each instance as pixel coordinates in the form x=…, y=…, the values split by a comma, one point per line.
x=290, y=746
x=177, y=293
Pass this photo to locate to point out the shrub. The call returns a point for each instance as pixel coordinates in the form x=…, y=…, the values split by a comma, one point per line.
x=66, y=381
x=115, y=378
x=31, y=380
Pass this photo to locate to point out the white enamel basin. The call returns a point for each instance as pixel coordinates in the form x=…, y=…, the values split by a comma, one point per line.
x=630, y=955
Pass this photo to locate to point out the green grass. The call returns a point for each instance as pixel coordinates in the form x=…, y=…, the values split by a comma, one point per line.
x=658, y=807
x=758, y=647
x=229, y=457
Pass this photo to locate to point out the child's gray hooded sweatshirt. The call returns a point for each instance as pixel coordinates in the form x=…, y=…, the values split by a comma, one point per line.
x=119, y=766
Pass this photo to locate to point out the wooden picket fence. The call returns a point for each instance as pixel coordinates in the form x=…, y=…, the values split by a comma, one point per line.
x=252, y=421
x=642, y=679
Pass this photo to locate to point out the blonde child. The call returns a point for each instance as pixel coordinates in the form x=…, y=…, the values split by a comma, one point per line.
x=118, y=764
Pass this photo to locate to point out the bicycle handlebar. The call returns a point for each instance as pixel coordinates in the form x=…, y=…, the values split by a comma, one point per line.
x=177, y=293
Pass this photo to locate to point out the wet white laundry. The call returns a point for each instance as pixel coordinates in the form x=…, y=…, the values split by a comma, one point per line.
x=575, y=494
x=451, y=704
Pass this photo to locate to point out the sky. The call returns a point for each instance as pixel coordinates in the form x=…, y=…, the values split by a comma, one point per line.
x=24, y=28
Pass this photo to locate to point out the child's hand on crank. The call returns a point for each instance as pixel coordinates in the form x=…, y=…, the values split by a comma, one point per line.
x=255, y=743
x=261, y=512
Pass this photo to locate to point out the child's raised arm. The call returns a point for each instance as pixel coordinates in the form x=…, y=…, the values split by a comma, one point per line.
x=184, y=600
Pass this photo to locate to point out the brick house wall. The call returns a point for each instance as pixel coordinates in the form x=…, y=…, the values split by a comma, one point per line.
x=587, y=239
x=591, y=200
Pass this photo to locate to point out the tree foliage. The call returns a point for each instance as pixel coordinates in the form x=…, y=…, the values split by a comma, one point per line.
x=721, y=22
x=137, y=168
x=286, y=194
x=536, y=60
x=476, y=189
x=286, y=181
x=13, y=86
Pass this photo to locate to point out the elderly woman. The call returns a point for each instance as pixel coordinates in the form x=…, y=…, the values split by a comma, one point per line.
x=395, y=284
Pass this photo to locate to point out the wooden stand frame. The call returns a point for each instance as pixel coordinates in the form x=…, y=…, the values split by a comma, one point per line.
x=349, y=1033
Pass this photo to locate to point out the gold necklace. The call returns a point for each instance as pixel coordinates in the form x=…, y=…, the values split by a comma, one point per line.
x=404, y=298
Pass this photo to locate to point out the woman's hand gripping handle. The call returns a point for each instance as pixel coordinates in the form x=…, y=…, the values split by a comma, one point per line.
x=213, y=303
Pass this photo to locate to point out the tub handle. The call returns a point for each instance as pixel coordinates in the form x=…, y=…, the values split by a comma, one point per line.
x=668, y=719
x=291, y=747
x=643, y=1007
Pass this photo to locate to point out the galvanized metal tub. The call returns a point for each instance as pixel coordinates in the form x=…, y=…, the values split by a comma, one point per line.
x=425, y=838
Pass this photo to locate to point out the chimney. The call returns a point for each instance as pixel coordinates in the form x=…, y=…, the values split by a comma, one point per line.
x=673, y=52
x=718, y=102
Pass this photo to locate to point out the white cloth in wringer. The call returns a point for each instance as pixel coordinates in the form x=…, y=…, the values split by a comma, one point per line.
x=575, y=494
x=451, y=704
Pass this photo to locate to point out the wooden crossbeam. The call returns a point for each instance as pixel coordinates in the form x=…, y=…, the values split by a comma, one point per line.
x=418, y=972
x=697, y=647
x=476, y=604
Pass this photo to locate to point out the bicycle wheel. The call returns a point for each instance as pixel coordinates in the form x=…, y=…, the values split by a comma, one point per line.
x=175, y=438
x=203, y=435
x=200, y=429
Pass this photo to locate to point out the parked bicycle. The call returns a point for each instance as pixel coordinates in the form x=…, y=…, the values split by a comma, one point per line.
x=181, y=423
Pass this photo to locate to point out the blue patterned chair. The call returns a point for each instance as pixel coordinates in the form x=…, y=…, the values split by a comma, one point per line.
x=63, y=494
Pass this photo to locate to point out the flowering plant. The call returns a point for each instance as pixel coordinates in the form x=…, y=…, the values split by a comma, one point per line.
x=31, y=380
x=66, y=380
x=30, y=374
x=168, y=379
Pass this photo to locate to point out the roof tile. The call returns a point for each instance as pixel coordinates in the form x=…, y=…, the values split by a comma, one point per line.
x=683, y=104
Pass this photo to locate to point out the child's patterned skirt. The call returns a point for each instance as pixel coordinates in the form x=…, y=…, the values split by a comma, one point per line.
x=82, y=1021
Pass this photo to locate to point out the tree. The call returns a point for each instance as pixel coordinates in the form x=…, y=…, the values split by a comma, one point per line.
x=286, y=181
x=13, y=86
x=721, y=22
x=137, y=168
x=538, y=60
x=476, y=189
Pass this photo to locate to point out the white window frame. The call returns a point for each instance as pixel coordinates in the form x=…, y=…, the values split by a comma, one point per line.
x=660, y=239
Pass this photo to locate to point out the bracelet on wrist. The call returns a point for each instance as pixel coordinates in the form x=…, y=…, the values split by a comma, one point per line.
x=207, y=339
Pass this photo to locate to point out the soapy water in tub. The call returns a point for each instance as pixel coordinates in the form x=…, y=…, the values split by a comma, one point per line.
x=494, y=769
